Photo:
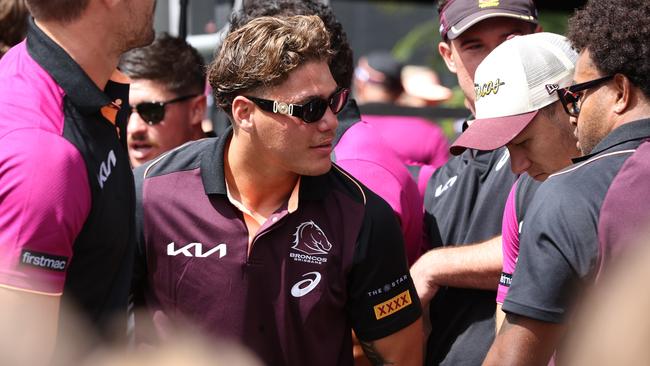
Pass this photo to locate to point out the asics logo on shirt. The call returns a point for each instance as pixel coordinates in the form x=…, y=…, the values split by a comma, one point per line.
x=105, y=168
x=303, y=287
x=502, y=161
x=443, y=187
x=198, y=250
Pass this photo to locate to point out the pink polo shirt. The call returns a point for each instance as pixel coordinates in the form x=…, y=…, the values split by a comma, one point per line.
x=44, y=190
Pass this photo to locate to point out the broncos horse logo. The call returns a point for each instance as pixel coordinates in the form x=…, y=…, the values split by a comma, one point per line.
x=310, y=239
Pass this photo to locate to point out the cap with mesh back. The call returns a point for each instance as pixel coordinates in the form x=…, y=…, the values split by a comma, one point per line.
x=459, y=15
x=512, y=83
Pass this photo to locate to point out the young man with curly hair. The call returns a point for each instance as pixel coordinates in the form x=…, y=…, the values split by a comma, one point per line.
x=564, y=242
x=256, y=236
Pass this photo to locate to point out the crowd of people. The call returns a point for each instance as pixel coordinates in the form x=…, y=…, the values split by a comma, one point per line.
x=308, y=233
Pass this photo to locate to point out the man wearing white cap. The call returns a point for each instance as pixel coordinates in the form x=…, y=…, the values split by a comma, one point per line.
x=517, y=106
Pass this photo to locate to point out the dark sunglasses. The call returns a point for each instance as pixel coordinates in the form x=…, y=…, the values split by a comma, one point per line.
x=570, y=96
x=310, y=112
x=154, y=112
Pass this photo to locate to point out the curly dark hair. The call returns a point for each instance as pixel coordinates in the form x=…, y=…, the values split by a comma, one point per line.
x=261, y=53
x=617, y=34
x=170, y=61
x=342, y=63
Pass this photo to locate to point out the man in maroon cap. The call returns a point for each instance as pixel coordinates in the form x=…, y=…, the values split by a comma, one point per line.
x=465, y=198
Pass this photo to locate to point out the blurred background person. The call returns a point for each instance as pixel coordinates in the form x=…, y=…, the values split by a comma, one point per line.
x=613, y=324
x=166, y=97
x=422, y=87
x=13, y=23
x=417, y=141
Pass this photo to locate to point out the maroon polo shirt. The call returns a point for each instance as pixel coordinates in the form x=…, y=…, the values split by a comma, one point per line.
x=334, y=264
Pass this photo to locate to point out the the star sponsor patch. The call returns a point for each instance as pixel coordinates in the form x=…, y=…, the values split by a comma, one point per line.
x=392, y=305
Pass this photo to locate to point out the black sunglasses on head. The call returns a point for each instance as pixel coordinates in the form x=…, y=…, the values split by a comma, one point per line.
x=570, y=96
x=154, y=112
x=310, y=112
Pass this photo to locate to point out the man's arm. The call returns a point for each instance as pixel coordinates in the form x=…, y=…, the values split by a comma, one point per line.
x=28, y=319
x=524, y=341
x=500, y=316
x=43, y=209
x=469, y=266
x=404, y=347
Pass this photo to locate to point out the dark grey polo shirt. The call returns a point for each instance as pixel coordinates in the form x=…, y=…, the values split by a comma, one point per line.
x=336, y=263
x=464, y=204
x=559, y=250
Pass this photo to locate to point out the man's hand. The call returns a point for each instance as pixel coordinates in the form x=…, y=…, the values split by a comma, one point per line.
x=476, y=266
x=423, y=279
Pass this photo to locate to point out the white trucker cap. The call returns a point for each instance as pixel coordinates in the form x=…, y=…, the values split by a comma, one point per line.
x=513, y=82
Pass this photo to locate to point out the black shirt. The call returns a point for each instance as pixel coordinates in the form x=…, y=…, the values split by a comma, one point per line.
x=464, y=204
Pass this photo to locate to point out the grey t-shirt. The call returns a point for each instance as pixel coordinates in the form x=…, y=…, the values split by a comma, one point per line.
x=559, y=247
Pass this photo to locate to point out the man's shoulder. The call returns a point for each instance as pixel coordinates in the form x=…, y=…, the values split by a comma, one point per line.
x=29, y=96
x=344, y=182
x=472, y=169
x=185, y=157
x=585, y=176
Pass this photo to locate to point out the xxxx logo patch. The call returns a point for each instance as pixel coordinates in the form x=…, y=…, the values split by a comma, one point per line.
x=392, y=305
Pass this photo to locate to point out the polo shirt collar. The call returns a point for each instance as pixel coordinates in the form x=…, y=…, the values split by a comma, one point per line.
x=214, y=178
x=212, y=166
x=627, y=132
x=76, y=84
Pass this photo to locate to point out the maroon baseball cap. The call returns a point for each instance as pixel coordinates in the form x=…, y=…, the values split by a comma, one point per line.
x=459, y=15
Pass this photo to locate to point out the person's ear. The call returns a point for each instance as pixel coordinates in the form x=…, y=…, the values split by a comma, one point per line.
x=444, y=48
x=242, y=112
x=197, y=109
x=623, y=89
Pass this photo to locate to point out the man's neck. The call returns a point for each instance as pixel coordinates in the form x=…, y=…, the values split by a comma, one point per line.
x=259, y=188
x=87, y=48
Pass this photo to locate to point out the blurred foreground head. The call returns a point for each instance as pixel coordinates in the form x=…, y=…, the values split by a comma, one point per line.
x=614, y=323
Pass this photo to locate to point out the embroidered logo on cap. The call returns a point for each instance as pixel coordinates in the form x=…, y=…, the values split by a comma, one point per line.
x=491, y=87
x=551, y=88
